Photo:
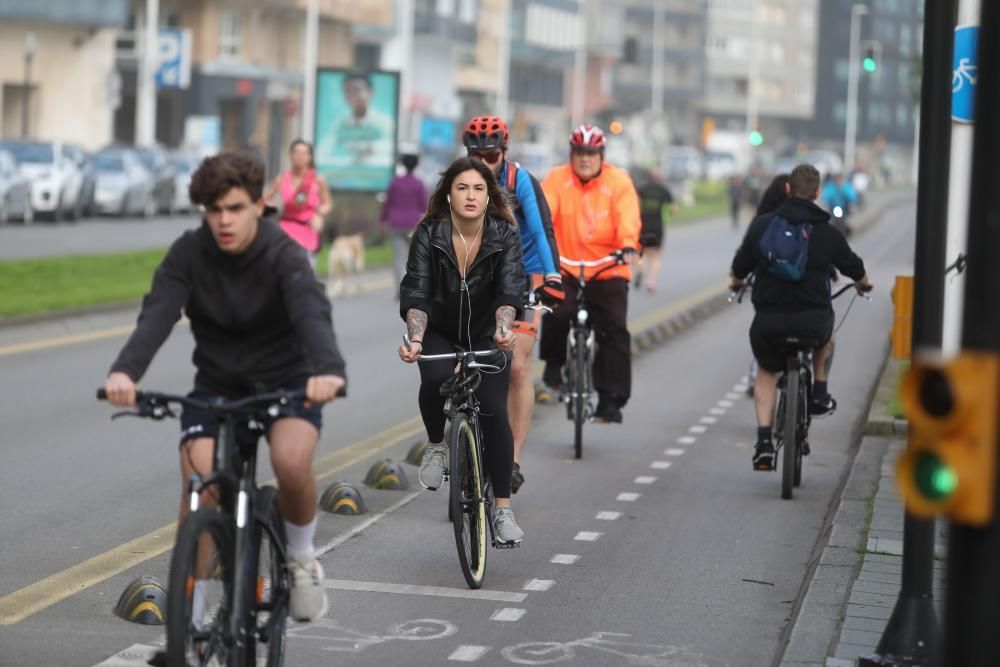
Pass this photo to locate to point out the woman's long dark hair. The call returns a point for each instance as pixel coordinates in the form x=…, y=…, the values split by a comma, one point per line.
x=774, y=196
x=439, y=209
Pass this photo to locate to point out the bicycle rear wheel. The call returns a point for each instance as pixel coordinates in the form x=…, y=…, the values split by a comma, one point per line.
x=579, y=389
x=268, y=613
x=199, y=602
x=789, y=429
x=466, y=499
x=802, y=432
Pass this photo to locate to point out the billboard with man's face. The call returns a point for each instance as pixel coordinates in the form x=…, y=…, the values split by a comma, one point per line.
x=356, y=120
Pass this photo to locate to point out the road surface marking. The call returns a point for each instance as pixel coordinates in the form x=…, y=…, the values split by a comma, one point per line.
x=608, y=516
x=415, y=589
x=740, y=388
x=628, y=497
x=708, y=420
x=660, y=465
x=539, y=585
x=508, y=614
x=698, y=428
x=643, y=479
x=367, y=523
x=673, y=452
x=468, y=653
x=587, y=536
x=716, y=411
x=724, y=403
x=564, y=559
x=133, y=656
x=686, y=440
x=732, y=396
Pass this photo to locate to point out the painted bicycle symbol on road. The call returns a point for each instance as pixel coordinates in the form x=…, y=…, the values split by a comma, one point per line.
x=344, y=639
x=650, y=655
x=964, y=72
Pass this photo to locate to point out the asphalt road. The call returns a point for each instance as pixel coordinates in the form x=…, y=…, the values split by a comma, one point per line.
x=703, y=567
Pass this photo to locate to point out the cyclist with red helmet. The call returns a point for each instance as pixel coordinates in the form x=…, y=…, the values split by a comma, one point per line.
x=486, y=138
x=595, y=212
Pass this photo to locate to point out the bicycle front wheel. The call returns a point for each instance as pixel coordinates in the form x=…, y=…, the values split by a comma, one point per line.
x=268, y=608
x=466, y=498
x=199, y=602
x=789, y=428
x=580, y=389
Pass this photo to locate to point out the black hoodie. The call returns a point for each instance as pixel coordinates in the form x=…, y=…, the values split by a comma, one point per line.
x=259, y=318
x=827, y=248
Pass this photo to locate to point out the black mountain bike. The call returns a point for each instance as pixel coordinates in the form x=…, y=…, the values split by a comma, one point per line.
x=470, y=494
x=791, y=415
x=578, y=379
x=228, y=587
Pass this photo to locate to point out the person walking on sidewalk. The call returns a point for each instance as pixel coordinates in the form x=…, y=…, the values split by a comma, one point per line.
x=304, y=198
x=261, y=323
x=486, y=138
x=405, y=203
x=654, y=196
x=786, y=307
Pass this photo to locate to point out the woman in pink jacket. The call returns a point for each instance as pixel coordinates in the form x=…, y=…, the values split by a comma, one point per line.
x=305, y=199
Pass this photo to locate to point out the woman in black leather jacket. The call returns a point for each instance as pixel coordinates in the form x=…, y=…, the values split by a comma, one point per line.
x=463, y=286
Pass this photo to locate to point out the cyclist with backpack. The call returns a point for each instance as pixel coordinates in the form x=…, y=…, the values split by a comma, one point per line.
x=792, y=251
x=486, y=138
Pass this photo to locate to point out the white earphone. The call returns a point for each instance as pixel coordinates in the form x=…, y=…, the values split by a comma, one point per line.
x=449, y=198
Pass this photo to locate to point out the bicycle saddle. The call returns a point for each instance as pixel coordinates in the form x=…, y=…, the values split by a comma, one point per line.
x=461, y=384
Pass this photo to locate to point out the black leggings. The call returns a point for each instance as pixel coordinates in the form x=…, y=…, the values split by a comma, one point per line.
x=492, y=394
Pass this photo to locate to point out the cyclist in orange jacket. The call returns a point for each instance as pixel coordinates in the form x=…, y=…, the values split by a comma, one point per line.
x=595, y=212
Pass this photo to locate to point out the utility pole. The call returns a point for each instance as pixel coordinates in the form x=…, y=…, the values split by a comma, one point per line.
x=503, y=61
x=853, y=74
x=962, y=133
x=406, y=38
x=309, y=58
x=752, y=103
x=912, y=636
x=580, y=66
x=145, y=103
x=29, y=53
x=657, y=64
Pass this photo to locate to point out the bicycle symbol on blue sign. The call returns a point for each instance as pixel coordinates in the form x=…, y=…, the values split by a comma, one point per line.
x=964, y=75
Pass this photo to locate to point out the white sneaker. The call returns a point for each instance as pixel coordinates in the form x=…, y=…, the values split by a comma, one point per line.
x=308, y=598
x=433, y=466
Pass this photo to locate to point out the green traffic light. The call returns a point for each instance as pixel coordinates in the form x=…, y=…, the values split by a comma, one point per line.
x=870, y=65
x=935, y=479
x=756, y=138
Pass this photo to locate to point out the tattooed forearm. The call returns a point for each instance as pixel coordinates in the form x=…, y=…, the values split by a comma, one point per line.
x=505, y=318
x=416, y=324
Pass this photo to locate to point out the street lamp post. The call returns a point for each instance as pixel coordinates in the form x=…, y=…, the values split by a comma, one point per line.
x=851, y=131
x=309, y=71
x=29, y=52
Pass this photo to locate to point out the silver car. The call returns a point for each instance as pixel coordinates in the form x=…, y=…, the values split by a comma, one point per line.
x=15, y=191
x=124, y=187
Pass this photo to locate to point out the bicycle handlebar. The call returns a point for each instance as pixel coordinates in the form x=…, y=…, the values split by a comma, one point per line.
x=156, y=404
x=616, y=257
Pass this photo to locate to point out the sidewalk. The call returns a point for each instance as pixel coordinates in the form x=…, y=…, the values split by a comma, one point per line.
x=857, y=580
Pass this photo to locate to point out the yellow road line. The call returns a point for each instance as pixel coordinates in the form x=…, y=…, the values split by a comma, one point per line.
x=61, y=341
x=675, y=308
x=20, y=604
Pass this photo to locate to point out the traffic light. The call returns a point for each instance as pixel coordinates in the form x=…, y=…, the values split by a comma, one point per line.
x=950, y=465
x=756, y=138
x=870, y=63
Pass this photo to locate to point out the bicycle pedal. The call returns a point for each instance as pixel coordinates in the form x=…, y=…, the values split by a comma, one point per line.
x=505, y=545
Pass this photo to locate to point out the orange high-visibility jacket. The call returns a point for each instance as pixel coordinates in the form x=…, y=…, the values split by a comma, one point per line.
x=592, y=220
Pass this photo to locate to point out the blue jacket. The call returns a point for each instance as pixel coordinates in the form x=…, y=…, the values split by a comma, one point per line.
x=534, y=221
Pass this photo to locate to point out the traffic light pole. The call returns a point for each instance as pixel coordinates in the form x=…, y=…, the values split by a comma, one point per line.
x=972, y=593
x=912, y=636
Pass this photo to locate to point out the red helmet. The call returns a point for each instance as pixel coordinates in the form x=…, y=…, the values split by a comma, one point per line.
x=486, y=132
x=587, y=136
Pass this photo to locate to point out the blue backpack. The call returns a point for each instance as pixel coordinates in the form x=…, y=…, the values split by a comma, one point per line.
x=785, y=248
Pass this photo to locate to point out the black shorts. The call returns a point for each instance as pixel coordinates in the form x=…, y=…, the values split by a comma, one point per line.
x=201, y=424
x=769, y=330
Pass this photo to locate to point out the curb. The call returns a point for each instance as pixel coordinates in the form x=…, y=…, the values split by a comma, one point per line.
x=659, y=332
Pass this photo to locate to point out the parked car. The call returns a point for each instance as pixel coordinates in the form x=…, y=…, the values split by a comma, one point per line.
x=124, y=187
x=184, y=166
x=15, y=191
x=88, y=177
x=55, y=178
x=156, y=162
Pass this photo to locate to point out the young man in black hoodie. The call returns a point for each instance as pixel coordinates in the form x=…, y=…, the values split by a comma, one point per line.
x=261, y=322
x=801, y=308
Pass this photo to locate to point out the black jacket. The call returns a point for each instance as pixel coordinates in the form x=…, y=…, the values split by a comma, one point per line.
x=433, y=284
x=827, y=248
x=258, y=318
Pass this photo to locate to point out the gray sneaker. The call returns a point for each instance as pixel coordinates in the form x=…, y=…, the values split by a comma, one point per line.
x=307, y=602
x=433, y=467
x=505, y=527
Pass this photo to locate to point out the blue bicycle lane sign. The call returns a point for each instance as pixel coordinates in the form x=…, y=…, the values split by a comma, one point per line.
x=965, y=68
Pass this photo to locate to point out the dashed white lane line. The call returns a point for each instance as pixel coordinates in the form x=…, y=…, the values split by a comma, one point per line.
x=564, y=559
x=539, y=585
x=628, y=497
x=643, y=479
x=725, y=403
x=673, y=452
x=718, y=412
x=587, y=536
x=708, y=420
x=468, y=653
x=660, y=465
x=508, y=614
x=733, y=396
x=698, y=428
x=686, y=440
x=413, y=589
x=608, y=516
x=739, y=387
